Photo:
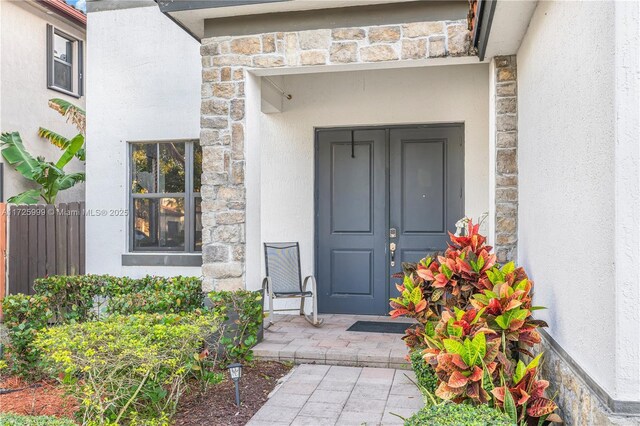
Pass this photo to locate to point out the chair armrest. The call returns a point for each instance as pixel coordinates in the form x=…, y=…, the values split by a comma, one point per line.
x=313, y=283
x=266, y=284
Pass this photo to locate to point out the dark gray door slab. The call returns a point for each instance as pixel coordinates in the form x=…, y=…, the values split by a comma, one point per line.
x=351, y=222
x=426, y=189
x=406, y=178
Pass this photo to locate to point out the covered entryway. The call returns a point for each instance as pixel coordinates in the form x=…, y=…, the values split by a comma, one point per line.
x=384, y=195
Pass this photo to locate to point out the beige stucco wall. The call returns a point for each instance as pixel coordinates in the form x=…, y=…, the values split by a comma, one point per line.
x=566, y=178
x=442, y=94
x=23, y=88
x=143, y=91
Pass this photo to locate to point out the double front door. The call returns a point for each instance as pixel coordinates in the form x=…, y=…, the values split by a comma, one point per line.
x=383, y=196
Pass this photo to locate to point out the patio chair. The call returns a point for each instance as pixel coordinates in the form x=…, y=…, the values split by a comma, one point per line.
x=284, y=281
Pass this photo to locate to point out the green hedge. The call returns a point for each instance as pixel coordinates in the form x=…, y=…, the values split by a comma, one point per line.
x=450, y=414
x=24, y=316
x=425, y=375
x=72, y=299
x=10, y=419
x=160, y=295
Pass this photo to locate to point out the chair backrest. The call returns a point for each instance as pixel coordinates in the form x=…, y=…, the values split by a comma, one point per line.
x=282, y=263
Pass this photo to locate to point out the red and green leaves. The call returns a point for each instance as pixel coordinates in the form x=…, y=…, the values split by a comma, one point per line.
x=411, y=300
x=523, y=396
x=461, y=367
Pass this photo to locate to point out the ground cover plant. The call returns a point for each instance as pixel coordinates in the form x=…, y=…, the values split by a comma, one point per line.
x=475, y=328
x=127, y=368
x=10, y=419
x=125, y=349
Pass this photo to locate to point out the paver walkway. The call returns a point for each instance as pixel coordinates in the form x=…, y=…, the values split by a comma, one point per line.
x=317, y=395
x=292, y=339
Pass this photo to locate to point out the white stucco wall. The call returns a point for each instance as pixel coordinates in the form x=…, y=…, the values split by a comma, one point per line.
x=144, y=86
x=437, y=94
x=566, y=145
x=24, y=96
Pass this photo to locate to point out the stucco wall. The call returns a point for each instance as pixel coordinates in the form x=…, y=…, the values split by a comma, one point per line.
x=144, y=85
x=566, y=177
x=24, y=96
x=440, y=94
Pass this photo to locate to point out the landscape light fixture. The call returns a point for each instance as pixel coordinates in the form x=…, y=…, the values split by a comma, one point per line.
x=235, y=371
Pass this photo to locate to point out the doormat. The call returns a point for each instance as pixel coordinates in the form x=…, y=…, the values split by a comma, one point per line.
x=380, y=326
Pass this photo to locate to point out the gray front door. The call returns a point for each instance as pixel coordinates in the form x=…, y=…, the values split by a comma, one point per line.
x=377, y=187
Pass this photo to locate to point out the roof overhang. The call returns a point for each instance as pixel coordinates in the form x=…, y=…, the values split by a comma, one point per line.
x=191, y=14
x=500, y=25
x=66, y=11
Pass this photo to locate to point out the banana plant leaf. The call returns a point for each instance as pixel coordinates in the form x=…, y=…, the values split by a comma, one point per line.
x=15, y=153
x=73, y=113
x=53, y=137
x=31, y=196
x=71, y=150
x=70, y=180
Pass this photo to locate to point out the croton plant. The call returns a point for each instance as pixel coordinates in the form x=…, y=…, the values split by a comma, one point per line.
x=474, y=323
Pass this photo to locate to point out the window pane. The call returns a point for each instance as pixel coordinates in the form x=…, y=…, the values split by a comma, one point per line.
x=197, y=166
x=172, y=167
x=159, y=223
x=62, y=48
x=198, y=223
x=62, y=75
x=144, y=163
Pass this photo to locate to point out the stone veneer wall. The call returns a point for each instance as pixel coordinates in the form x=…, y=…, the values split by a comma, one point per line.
x=506, y=195
x=578, y=402
x=225, y=61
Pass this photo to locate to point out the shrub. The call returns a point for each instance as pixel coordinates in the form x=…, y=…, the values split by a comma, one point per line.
x=10, y=419
x=476, y=322
x=243, y=309
x=160, y=295
x=127, y=368
x=425, y=375
x=24, y=316
x=71, y=298
x=449, y=414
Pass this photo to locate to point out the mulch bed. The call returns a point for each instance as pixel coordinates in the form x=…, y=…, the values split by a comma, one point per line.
x=217, y=407
x=38, y=399
x=214, y=407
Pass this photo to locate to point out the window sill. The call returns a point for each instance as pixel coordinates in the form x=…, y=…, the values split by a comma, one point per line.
x=65, y=91
x=162, y=259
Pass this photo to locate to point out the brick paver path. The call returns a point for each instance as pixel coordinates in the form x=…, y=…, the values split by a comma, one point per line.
x=317, y=395
x=292, y=339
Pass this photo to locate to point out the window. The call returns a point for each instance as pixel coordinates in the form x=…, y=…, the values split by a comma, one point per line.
x=64, y=62
x=165, y=196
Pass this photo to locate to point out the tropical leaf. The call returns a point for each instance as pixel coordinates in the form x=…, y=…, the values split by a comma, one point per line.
x=31, y=196
x=453, y=346
x=67, y=181
x=510, y=406
x=15, y=153
x=74, y=146
x=72, y=112
x=55, y=139
x=541, y=407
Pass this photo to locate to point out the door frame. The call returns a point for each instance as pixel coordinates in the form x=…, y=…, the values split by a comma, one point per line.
x=387, y=195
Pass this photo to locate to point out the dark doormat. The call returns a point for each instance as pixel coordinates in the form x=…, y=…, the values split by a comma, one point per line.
x=380, y=326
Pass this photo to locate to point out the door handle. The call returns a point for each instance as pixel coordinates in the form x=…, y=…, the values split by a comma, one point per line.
x=392, y=249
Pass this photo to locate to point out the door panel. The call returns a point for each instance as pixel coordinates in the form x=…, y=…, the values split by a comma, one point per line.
x=408, y=178
x=426, y=189
x=351, y=223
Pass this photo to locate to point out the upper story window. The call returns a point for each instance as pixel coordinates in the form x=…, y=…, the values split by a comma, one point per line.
x=165, y=196
x=64, y=62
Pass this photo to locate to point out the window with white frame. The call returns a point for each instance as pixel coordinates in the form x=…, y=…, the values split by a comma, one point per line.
x=165, y=201
x=64, y=62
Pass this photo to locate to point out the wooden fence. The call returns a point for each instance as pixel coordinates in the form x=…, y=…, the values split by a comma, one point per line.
x=44, y=240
